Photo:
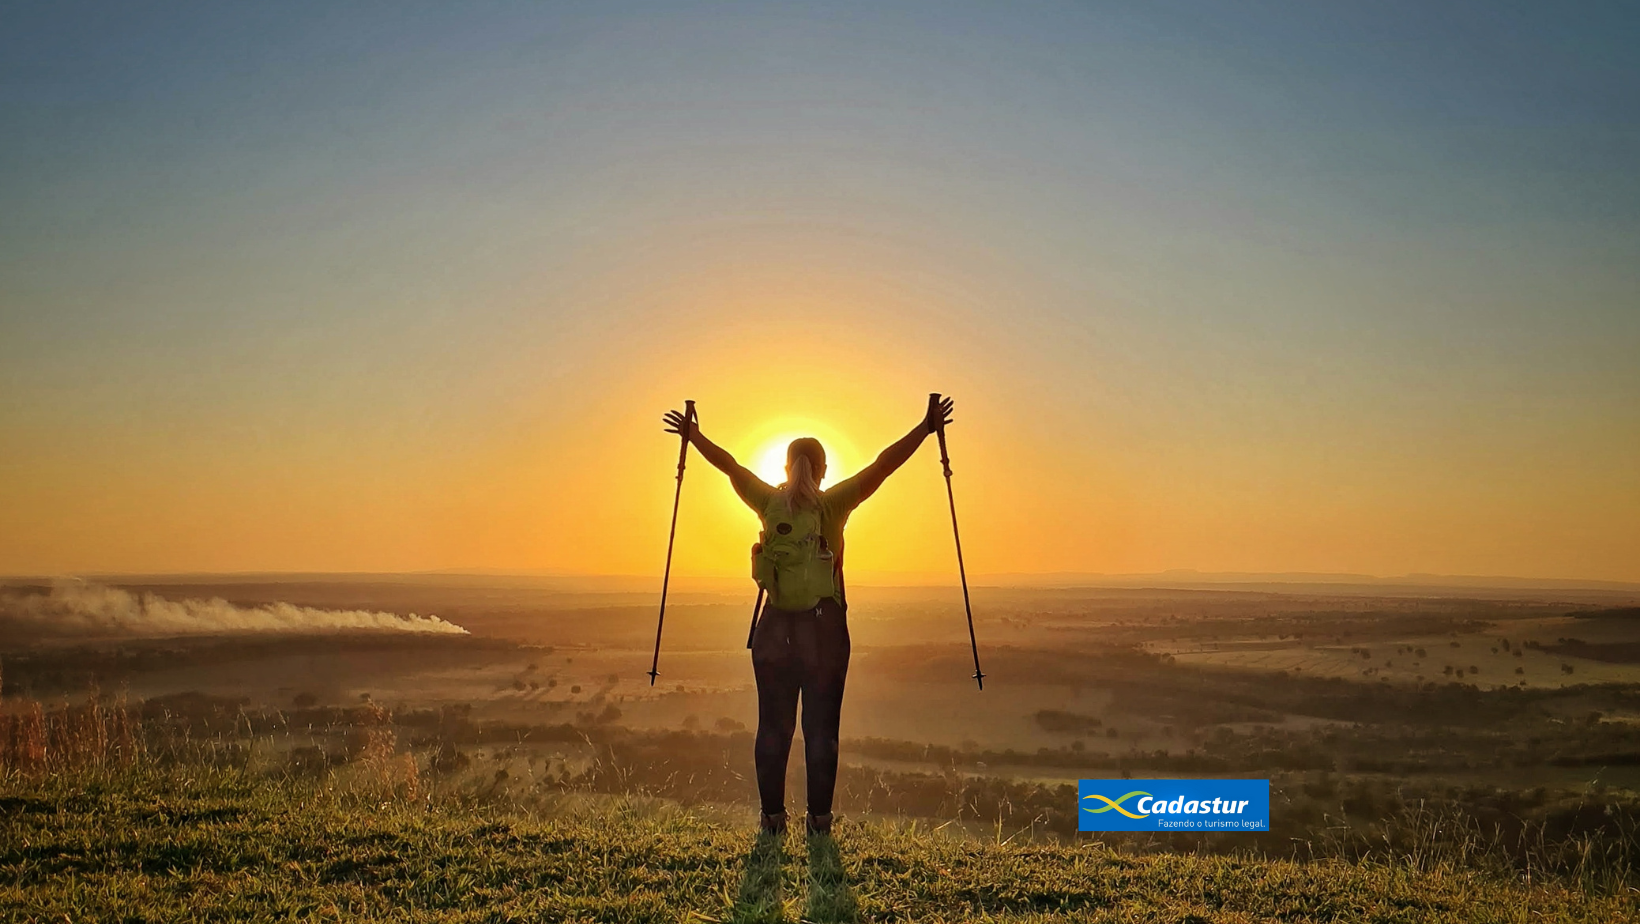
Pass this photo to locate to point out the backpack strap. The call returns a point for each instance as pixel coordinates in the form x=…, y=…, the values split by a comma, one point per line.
x=756, y=609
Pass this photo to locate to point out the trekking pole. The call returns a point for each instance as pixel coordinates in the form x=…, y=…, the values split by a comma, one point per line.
x=945, y=462
x=666, y=576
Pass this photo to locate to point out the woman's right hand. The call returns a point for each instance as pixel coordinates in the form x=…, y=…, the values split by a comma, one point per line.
x=939, y=415
x=674, y=421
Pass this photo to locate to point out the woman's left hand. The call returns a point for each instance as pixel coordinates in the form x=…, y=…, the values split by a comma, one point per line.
x=674, y=421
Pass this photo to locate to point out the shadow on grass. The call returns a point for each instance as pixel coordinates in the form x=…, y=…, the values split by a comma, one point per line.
x=760, y=882
x=831, y=897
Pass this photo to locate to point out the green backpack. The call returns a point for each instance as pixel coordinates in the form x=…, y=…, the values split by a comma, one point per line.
x=791, y=560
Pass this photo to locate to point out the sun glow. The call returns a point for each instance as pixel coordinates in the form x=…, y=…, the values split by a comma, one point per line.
x=768, y=461
x=770, y=464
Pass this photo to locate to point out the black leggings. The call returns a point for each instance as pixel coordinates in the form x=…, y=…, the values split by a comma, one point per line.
x=803, y=652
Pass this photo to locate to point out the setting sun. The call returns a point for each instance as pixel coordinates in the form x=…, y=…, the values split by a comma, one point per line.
x=768, y=462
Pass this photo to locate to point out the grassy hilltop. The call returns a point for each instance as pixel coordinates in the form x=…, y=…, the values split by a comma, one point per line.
x=150, y=845
x=1431, y=759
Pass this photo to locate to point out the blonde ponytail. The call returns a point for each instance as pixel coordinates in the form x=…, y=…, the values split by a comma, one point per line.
x=801, y=489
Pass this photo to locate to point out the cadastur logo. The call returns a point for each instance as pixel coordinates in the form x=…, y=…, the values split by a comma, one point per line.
x=1173, y=805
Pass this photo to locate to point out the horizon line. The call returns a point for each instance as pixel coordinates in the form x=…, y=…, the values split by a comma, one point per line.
x=1059, y=579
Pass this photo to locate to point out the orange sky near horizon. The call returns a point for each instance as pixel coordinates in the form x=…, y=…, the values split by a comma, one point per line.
x=576, y=476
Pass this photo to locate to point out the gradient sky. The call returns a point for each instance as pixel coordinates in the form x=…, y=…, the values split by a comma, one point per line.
x=1233, y=287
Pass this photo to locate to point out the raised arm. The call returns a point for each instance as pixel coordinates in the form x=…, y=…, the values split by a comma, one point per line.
x=889, y=460
x=745, y=483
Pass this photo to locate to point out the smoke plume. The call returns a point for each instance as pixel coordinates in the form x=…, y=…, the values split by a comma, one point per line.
x=82, y=608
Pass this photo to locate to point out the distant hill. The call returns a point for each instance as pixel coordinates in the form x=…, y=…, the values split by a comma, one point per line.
x=1619, y=613
x=1340, y=583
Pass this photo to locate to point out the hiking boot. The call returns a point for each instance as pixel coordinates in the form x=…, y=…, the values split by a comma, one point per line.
x=772, y=824
x=819, y=824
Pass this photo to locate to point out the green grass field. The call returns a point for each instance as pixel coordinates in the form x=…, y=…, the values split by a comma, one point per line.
x=154, y=845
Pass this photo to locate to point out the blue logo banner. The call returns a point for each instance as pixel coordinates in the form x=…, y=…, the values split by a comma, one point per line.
x=1173, y=805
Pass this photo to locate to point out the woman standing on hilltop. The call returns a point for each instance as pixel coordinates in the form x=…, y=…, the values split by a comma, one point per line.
x=800, y=646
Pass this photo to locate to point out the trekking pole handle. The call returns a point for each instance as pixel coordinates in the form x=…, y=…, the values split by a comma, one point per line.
x=688, y=423
x=939, y=429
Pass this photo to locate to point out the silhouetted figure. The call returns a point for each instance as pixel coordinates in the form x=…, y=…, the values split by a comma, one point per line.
x=801, y=651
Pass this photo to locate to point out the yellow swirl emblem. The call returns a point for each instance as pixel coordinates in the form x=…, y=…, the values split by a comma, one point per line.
x=1117, y=805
